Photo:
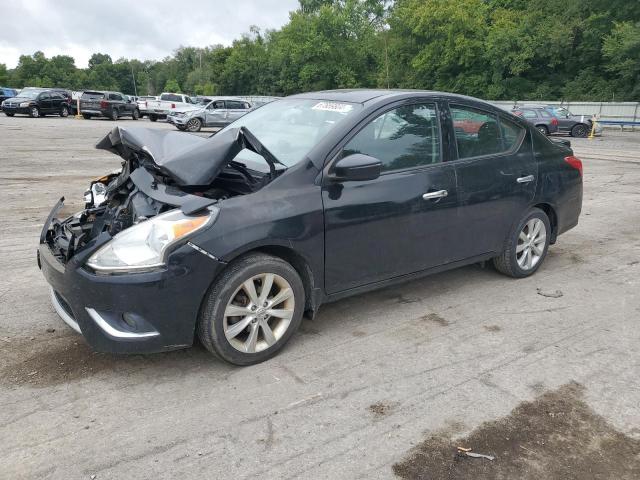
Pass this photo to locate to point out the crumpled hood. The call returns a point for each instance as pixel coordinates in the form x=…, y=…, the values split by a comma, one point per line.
x=189, y=159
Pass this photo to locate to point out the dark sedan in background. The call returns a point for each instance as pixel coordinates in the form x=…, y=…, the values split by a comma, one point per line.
x=303, y=201
x=37, y=102
x=113, y=105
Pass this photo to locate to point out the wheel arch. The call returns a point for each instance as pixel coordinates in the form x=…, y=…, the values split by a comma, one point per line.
x=312, y=292
x=553, y=219
x=301, y=265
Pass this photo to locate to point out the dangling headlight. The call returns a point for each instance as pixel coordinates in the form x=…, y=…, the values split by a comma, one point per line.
x=144, y=246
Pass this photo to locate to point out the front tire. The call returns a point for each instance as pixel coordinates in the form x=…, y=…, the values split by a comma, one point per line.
x=153, y=118
x=526, y=246
x=543, y=129
x=580, y=130
x=135, y=114
x=34, y=112
x=252, y=309
x=9, y=114
x=114, y=115
x=86, y=116
x=194, y=125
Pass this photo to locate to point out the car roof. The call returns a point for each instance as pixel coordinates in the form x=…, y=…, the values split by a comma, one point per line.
x=366, y=95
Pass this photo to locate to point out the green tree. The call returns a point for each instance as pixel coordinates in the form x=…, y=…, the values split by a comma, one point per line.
x=172, y=86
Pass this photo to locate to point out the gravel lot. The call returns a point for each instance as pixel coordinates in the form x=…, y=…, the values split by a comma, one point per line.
x=382, y=384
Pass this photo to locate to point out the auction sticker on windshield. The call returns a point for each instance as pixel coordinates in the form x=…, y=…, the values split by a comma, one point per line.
x=333, y=107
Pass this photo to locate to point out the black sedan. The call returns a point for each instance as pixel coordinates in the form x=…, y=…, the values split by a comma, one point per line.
x=300, y=202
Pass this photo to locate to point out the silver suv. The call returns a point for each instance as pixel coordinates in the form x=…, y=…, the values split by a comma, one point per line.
x=219, y=112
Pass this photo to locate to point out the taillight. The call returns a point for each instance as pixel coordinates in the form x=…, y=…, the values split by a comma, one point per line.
x=145, y=104
x=173, y=105
x=574, y=162
x=554, y=121
x=103, y=104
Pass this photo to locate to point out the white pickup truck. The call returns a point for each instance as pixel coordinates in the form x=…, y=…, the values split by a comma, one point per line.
x=167, y=103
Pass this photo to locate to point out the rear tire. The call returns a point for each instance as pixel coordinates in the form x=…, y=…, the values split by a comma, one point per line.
x=526, y=247
x=9, y=114
x=542, y=129
x=266, y=320
x=64, y=111
x=153, y=118
x=580, y=130
x=114, y=115
x=86, y=116
x=135, y=115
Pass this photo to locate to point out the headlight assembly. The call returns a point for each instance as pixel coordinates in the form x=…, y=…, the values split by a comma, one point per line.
x=24, y=104
x=146, y=245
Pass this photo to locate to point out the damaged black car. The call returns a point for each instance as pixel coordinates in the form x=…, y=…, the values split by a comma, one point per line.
x=235, y=237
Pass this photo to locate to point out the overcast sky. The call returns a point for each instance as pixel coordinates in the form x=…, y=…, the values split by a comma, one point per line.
x=141, y=29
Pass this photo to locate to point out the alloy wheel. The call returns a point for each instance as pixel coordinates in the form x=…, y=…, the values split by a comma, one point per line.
x=259, y=313
x=64, y=112
x=35, y=112
x=531, y=244
x=193, y=125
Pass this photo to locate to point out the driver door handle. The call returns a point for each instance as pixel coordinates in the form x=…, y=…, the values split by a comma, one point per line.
x=437, y=194
x=527, y=179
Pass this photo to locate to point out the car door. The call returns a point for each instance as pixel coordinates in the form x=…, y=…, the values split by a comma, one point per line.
x=44, y=102
x=496, y=177
x=235, y=109
x=215, y=113
x=56, y=102
x=398, y=223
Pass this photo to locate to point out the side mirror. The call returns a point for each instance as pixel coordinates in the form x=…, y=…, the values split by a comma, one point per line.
x=355, y=168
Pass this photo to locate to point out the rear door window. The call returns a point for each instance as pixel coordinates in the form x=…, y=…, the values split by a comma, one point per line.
x=512, y=133
x=477, y=132
x=529, y=114
x=235, y=105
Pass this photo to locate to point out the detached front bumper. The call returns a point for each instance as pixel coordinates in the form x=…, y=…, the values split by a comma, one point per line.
x=130, y=313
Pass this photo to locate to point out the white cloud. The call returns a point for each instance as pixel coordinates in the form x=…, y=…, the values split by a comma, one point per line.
x=130, y=29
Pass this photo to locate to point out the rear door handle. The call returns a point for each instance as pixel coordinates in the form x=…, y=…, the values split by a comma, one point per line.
x=527, y=179
x=432, y=195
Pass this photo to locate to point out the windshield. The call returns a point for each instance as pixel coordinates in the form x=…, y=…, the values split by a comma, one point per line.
x=30, y=93
x=290, y=128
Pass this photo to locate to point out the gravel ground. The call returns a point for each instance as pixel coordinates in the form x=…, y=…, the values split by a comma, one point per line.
x=382, y=384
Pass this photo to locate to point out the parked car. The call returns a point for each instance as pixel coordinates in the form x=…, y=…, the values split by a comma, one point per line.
x=112, y=105
x=37, y=102
x=574, y=125
x=142, y=104
x=303, y=201
x=541, y=118
x=6, y=93
x=220, y=111
x=167, y=103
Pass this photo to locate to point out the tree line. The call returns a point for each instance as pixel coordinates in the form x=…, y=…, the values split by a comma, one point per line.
x=494, y=49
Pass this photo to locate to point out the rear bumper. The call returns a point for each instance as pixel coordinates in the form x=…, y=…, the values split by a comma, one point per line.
x=94, y=112
x=130, y=313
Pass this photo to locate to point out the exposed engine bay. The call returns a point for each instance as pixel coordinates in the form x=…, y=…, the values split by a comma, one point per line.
x=161, y=171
